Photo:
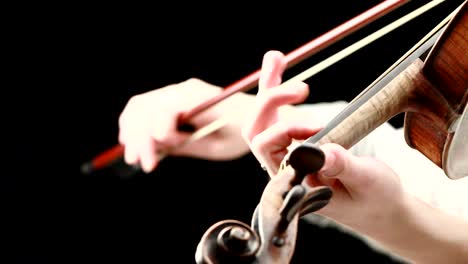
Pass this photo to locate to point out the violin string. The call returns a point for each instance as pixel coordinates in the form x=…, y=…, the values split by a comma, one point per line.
x=362, y=43
x=403, y=62
x=220, y=122
x=423, y=40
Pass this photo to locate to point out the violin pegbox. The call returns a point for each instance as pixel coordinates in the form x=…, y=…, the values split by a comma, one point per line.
x=306, y=159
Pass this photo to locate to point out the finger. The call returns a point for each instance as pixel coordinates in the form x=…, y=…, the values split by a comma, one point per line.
x=161, y=126
x=290, y=93
x=355, y=173
x=151, y=151
x=131, y=155
x=209, y=147
x=129, y=130
x=270, y=146
x=140, y=148
x=127, y=139
x=265, y=113
x=123, y=125
x=148, y=154
x=273, y=66
x=271, y=94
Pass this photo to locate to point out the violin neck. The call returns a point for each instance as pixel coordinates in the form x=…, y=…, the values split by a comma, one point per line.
x=428, y=115
x=399, y=95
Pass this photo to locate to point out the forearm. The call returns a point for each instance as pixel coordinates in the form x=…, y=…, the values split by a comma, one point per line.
x=423, y=234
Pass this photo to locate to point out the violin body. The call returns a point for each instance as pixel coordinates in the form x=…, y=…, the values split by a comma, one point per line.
x=429, y=124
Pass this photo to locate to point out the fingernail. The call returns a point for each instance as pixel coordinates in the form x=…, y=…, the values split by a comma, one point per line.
x=329, y=169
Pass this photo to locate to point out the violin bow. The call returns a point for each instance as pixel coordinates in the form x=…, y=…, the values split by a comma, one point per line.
x=114, y=155
x=415, y=52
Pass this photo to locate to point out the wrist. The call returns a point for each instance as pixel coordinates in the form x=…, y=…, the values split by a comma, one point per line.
x=424, y=234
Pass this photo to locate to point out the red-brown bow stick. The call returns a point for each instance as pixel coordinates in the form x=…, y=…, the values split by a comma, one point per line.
x=250, y=81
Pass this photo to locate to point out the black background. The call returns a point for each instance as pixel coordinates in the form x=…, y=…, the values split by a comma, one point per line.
x=71, y=70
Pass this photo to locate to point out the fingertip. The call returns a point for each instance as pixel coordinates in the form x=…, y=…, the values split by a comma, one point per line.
x=130, y=156
x=298, y=91
x=273, y=55
x=149, y=155
x=148, y=162
x=121, y=137
x=328, y=167
x=273, y=66
x=303, y=89
x=148, y=165
x=335, y=160
x=291, y=93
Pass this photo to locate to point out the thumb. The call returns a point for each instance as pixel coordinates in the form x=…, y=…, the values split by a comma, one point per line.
x=353, y=172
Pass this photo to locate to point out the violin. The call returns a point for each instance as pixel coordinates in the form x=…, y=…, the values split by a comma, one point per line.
x=428, y=84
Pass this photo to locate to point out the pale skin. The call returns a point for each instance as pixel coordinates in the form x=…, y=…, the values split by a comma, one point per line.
x=368, y=196
x=148, y=124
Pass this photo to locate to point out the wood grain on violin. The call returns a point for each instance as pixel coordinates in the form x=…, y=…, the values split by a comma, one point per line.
x=429, y=128
x=432, y=94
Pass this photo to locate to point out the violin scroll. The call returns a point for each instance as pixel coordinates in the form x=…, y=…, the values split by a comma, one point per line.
x=272, y=236
x=228, y=241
